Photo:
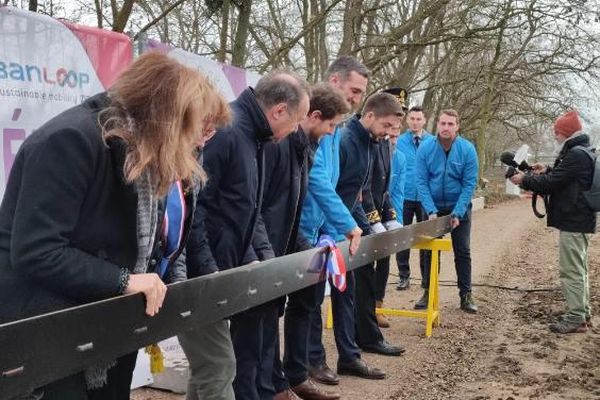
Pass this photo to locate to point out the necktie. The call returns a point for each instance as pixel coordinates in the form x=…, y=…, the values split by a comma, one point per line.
x=417, y=141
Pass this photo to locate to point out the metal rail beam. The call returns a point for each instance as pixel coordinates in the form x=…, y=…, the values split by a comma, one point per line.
x=42, y=349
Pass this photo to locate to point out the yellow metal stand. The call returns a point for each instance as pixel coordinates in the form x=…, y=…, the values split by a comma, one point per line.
x=432, y=314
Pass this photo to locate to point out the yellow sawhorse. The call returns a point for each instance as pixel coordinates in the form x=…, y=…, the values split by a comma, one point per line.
x=432, y=314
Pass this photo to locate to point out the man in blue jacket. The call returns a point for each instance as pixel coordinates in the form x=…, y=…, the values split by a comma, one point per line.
x=408, y=143
x=324, y=212
x=446, y=179
x=287, y=165
x=229, y=208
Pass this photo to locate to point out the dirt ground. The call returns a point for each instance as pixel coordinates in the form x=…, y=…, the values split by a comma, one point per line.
x=505, y=352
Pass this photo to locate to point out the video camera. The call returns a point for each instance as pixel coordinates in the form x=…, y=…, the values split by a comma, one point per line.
x=516, y=161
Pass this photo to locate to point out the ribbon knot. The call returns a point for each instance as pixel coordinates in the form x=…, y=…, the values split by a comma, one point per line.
x=333, y=262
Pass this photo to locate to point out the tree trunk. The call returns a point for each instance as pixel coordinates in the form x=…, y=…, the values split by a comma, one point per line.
x=485, y=110
x=309, y=40
x=99, y=19
x=222, y=53
x=241, y=34
x=348, y=38
x=121, y=17
x=323, y=54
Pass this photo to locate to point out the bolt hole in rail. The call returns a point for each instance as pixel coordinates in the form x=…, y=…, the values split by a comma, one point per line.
x=42, y=349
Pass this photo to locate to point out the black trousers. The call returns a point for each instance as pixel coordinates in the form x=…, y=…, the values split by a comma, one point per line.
x=118, y=384
x=382, y=272
x=412, y=209
x=367, y=330
x=298, y=319
x=254, y=336
x=461, y=246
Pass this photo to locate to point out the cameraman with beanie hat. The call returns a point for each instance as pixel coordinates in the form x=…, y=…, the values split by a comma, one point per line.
x=569, y=212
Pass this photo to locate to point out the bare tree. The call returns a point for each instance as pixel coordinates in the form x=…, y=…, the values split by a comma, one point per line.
x=508, y=66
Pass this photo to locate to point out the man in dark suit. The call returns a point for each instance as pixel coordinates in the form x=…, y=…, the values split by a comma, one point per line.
x=229, y=207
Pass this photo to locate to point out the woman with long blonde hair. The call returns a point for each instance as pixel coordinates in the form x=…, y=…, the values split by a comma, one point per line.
x=100, y=201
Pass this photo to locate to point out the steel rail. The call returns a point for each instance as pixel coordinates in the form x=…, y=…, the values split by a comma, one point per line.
x=42, y=349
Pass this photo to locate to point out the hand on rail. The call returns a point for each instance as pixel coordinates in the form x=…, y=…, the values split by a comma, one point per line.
x=354, y=238
x=153, y=288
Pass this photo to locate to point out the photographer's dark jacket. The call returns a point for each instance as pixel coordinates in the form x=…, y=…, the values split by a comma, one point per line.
x=564, y=183
x=229, y=204
x=68, y=220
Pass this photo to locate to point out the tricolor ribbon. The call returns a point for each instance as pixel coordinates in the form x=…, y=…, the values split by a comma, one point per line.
x=173, y=224
x=333, y=262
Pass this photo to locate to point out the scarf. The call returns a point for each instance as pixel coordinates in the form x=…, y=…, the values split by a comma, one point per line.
x=147, y=215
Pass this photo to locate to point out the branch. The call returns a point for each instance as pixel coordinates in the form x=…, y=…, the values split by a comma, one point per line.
x=292, y=42
x=158, y=18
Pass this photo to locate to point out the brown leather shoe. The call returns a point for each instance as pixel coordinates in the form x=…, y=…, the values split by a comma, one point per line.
x=286, y=395
x=323, y=374
x=382, y=321
x=308, y=390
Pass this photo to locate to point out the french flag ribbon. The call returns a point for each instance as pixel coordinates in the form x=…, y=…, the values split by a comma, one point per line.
x=173, y=224
x=334, y=262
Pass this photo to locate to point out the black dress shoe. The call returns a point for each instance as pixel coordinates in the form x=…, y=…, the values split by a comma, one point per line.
x=323, y=374
x=359, y=368
x=403, y=283
x=467, y=304
x=384, y=348
x=423, y=302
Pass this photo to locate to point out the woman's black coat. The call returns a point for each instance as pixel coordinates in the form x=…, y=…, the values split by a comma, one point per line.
x=68, y=220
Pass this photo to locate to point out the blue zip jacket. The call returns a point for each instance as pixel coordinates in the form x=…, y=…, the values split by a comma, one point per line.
x=398, y=183
x=323, y=209
x=446, y=182
x=407, y=146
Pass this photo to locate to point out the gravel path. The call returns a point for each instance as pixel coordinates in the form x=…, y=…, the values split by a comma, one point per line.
x=505, y=351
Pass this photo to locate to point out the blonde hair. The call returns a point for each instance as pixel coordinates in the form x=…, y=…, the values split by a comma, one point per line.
x=452, y=113
x=160, y=108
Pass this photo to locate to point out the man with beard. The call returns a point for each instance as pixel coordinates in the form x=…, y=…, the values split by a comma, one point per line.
x=383, y=212
x=359, y=147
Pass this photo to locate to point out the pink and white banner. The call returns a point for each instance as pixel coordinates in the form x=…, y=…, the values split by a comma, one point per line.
x=230, y=80
x=46, y=67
